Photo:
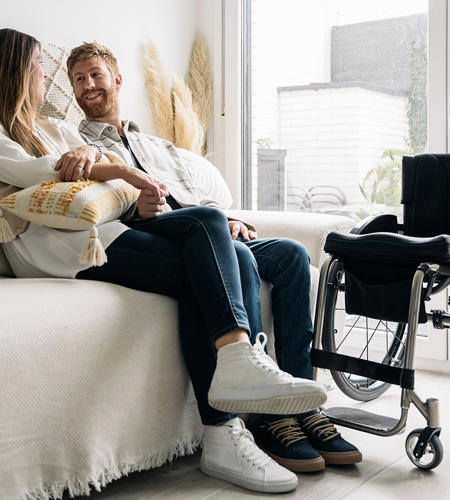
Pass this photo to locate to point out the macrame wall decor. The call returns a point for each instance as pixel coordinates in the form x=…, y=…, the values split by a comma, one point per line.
x=59, y=98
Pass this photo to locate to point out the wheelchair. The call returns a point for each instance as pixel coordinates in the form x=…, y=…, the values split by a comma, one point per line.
x=371, y=300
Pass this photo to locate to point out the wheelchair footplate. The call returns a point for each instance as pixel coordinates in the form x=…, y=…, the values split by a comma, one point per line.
x=359, y=419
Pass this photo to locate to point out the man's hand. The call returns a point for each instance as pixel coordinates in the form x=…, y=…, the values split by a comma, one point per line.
x=149, y=205
x=237, y=228
x=75, y=163
x=141, y=180
x=103, y=171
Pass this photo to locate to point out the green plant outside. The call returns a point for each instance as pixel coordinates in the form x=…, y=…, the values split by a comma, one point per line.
x=382, y=184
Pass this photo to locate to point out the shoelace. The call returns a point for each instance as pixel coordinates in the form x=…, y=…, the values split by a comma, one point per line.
x=262, y=359
x=320, y=426
x=287, y=430
x=247, y=448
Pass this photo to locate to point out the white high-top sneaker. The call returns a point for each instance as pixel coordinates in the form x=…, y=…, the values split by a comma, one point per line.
x=248, y=380
x=230, y=453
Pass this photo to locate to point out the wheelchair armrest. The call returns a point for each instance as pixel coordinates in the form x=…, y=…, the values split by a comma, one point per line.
x=385, y=223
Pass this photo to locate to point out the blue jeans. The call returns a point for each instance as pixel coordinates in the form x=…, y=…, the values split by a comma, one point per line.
x=188, y=254
x=284, y=263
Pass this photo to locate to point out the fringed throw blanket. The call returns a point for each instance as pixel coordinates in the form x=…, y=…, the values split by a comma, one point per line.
x=92, y=387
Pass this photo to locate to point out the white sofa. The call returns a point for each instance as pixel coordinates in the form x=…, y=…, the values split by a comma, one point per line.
x=92, y=381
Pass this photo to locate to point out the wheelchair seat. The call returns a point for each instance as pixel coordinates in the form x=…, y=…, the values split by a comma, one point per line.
x=392, y=248
x=380, y=268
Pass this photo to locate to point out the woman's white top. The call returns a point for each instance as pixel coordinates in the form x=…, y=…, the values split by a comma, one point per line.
x=41, y=251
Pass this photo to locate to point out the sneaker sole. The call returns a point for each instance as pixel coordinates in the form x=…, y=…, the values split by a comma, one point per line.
x=275, y=405
x=341, y=458
x=226, y=475
x=307, y=465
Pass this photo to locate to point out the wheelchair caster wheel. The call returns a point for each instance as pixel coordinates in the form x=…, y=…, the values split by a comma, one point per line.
x=432, y=455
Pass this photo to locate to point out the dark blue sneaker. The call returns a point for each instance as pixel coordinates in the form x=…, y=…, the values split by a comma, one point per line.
x=325, y=438
x=283, y=439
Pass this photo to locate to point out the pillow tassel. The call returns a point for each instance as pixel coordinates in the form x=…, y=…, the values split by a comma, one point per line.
x=93, y=253
x=6, y=233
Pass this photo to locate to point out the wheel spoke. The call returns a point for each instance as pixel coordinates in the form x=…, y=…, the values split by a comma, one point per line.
x=394, y=334
x=367, y=345
x=368, y=340
x=348, y=333
x=386, y=337
x=341, y=330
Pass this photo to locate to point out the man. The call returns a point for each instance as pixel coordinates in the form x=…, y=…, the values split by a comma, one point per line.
x=303, y=442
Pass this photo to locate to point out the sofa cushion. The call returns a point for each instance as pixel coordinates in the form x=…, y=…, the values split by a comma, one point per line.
x=208, y=177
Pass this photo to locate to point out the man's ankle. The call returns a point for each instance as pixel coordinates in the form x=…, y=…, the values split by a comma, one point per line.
x=239, y=335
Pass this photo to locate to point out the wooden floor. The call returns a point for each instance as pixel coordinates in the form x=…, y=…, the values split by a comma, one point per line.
x=385, y=472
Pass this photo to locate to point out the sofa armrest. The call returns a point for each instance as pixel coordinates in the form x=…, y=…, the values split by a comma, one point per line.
x=308, y=228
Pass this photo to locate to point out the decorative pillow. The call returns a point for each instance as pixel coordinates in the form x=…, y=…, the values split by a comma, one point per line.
x=208, y=177
x=59, y=98
x=78, y=205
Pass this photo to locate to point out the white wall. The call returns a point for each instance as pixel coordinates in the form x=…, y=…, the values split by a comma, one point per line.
x=224, y=137
x=123, y=27
x=209, y=25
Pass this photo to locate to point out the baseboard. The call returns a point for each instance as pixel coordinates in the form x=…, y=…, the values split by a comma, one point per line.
x=434, y=365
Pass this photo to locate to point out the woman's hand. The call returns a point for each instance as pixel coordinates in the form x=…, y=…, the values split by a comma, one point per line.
x=237, y=228
x=75, y=163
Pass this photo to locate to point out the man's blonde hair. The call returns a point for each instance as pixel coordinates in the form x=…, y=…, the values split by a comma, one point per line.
x=87, y=51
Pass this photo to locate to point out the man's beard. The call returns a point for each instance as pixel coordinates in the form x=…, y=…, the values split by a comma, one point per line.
x=98, y=109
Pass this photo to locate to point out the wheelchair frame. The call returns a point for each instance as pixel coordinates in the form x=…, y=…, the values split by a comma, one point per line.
x=418, y=441
x=425, y=195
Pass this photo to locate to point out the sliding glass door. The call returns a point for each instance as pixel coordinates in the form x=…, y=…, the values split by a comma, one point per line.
x=338, y=95
x=335, y=92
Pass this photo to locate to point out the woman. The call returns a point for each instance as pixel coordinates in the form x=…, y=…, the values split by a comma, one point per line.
x=186, y=253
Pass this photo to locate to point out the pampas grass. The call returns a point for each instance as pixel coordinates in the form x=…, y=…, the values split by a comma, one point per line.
x=158, y=92
x=182, y=115
x=200, y=82
x=188, y=131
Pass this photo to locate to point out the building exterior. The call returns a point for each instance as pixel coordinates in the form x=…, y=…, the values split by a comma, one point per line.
x=336, y=131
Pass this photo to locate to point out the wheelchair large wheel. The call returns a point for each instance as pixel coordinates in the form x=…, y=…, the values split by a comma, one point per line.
x=361, y=337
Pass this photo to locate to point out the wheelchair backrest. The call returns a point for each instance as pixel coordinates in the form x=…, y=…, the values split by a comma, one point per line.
x=426, y=194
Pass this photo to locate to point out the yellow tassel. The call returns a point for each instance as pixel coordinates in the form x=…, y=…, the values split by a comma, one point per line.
x=6, y=233
x=93, y=253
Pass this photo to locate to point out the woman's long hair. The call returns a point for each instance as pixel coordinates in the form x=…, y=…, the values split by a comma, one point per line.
x=16, y=110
